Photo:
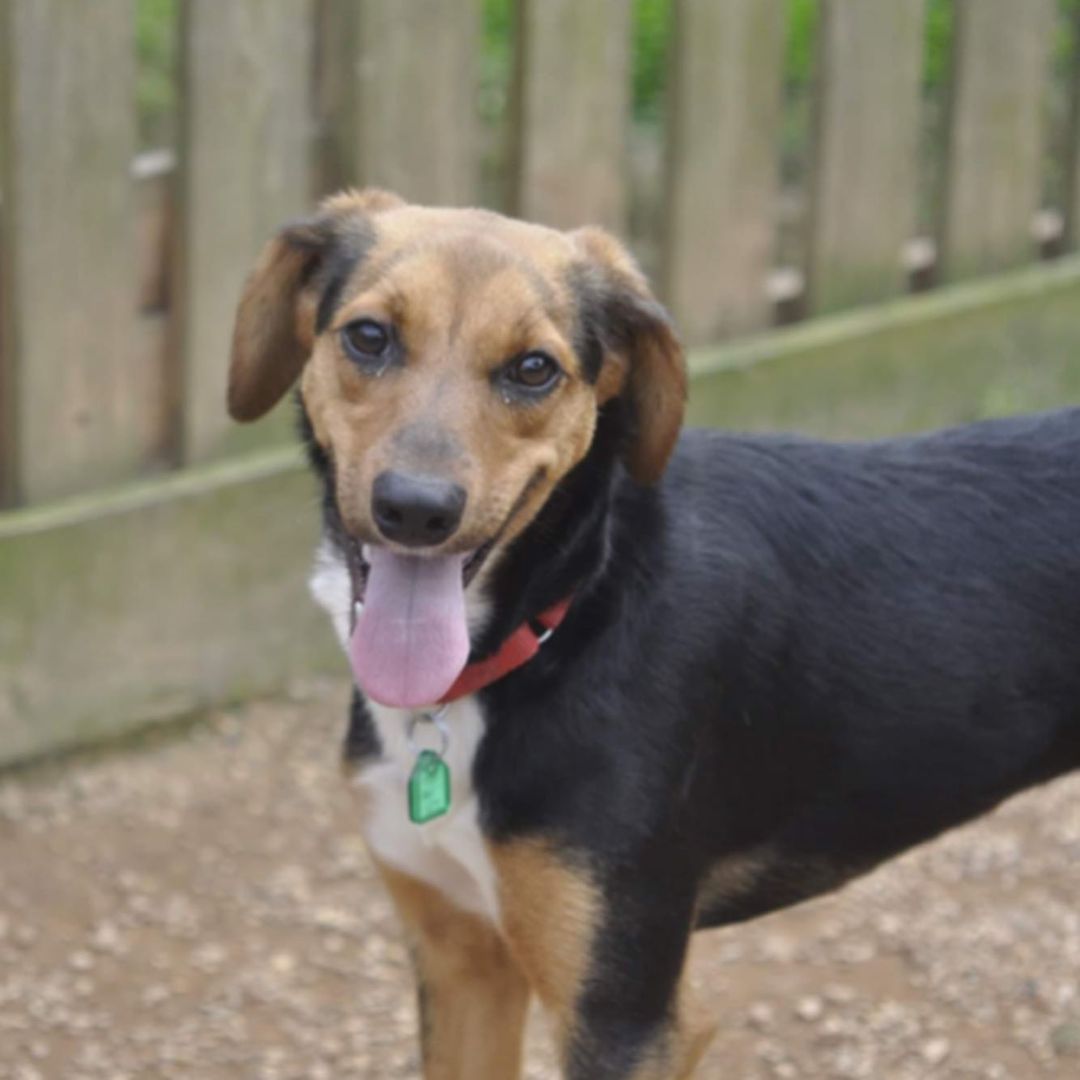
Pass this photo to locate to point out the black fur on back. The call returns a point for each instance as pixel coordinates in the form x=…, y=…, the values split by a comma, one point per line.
x=810, y=655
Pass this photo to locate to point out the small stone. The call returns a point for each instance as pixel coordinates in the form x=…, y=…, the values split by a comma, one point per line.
x=283, y=963
x=332, y=918
x=24, y=936
x=810, y=1008
x=155, y=994
x=890, y=924
x=771, y=1052
x=833, y=1029
x=779, y=948
x=106, y=938
x=208, y=958
x=230, y=727
x=935, y=1051
x=856, y=952
x=1065, y=1039
x=761, y=1014
x=128, y=880
x=81, y=960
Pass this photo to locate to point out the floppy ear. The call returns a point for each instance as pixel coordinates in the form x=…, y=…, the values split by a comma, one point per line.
x=276, y=319
x=633, y=331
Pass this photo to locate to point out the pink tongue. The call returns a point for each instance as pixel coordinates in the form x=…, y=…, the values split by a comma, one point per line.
x=411, y=640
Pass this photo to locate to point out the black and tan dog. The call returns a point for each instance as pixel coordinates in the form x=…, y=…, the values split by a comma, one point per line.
x=616, y=684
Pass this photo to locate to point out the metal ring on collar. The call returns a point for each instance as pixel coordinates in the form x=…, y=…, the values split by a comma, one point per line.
x=438, y=720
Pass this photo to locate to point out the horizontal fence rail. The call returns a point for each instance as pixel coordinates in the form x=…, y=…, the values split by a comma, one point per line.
x=118, y=281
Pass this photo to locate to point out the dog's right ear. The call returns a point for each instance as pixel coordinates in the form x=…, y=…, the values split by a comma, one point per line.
x=276, y=319
x=634, y=332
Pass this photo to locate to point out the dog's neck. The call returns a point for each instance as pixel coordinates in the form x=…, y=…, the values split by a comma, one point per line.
x=564, y=549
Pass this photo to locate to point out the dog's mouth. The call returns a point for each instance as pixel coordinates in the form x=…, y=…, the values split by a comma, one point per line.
x=409, y=639
x=360, y=566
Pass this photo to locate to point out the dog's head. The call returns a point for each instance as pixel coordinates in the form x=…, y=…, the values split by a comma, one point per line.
x=452, y=364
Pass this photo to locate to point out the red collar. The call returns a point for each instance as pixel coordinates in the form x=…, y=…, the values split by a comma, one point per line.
x=519, y=648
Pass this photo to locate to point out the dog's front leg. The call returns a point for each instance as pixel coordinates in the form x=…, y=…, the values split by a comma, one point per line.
x=605, y=953
x=472, y=996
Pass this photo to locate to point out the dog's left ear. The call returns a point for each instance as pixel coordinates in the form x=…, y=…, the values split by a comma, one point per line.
x=633, y=332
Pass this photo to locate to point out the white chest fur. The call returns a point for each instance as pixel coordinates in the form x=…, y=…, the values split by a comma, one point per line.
x=448, y=853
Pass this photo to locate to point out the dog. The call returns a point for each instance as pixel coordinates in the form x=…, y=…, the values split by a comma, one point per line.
x=617, y=683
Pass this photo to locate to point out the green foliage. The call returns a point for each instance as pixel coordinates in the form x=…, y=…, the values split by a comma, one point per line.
x=496, y=51
x=652, y=30
x=155, y=48
x=156, y=40
x=802, y=18
x=1069, y=30
x=938, y=36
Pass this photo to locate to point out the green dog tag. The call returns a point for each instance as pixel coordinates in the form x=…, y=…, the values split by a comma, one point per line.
x=429, y=788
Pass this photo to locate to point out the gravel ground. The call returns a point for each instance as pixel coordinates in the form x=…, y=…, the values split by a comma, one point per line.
x=200, y=907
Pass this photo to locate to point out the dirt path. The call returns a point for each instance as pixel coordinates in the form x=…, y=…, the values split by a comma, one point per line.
x=201, y=908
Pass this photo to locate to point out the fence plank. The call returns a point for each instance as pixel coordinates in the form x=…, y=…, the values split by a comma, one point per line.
x=399, y=96
x=71, y=404
x=993, y=166
x=243, y=170
x=866, y=150
x=1072, y=159
x=722, y=170
x=570, y=111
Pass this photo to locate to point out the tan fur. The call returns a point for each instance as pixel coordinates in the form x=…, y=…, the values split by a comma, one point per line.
x=267, y=350
x=679, y=1063
x=474, y=996
x=476, y=981
x=733, y=877
x=682, y=1046
x=453, y=344
x=551, y=912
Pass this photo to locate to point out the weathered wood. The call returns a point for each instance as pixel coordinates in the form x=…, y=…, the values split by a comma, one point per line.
x=154, y=175
x=993, y=166
x=223, y=550
x=398, y=89
x=245, y=130
x=1071, y=237
x=570, y=111
x=866, y=150
x=985, y=348
x=722, y=170
x=67, y=122
x=169, y=603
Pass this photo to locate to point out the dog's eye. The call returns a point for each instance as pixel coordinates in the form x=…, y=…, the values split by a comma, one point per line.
x=533, y=371
x=365, y=340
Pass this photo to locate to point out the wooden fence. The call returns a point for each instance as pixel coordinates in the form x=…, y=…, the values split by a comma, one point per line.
x=117, y=281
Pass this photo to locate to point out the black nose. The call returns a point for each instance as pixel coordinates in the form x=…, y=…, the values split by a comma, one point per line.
x=416, y=510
